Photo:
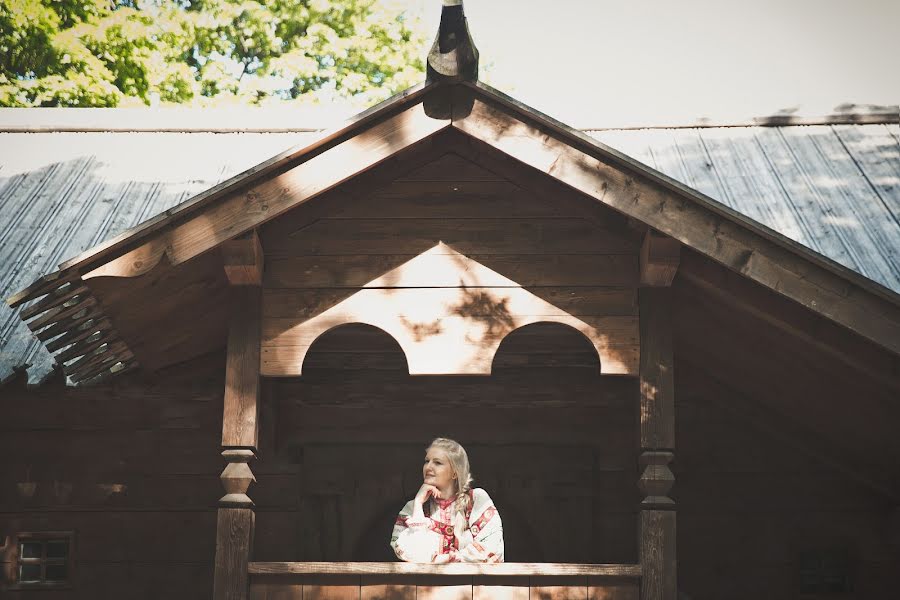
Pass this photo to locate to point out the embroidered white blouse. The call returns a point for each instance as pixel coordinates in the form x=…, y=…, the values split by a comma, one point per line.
x=432, y=539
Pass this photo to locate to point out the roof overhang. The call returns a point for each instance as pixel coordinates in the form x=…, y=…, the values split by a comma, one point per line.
x=68, y=318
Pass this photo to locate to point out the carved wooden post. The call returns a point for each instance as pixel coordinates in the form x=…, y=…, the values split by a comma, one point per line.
x=236, y=517
x=656, y=521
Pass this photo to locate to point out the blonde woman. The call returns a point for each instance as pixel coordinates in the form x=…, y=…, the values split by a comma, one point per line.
x=448, y=520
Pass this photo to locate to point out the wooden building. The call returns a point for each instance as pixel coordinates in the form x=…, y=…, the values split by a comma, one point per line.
x=665, y=398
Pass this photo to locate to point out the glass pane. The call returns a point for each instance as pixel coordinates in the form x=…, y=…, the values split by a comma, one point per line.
x=57, y=548
x=30, y=550
x=29, y=573
x=55, y=572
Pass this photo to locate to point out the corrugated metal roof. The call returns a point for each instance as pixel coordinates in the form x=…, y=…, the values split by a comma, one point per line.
x=832, y=188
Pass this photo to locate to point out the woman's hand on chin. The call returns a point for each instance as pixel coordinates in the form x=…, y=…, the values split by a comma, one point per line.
x=425, y=492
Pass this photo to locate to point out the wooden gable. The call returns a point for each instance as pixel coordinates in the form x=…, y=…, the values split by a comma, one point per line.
x=516, y=145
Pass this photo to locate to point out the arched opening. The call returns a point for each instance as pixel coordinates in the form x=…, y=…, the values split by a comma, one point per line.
x=549, y=438
x=354, y=350
x=547, y=347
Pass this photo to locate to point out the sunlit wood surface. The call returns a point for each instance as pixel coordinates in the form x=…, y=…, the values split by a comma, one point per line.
x=448, y=313
x=459, y=581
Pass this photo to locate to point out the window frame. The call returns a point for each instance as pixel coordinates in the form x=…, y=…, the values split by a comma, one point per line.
x=42, y=536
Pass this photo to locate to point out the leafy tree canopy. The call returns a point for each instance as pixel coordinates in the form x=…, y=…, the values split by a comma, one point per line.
x=205, y=52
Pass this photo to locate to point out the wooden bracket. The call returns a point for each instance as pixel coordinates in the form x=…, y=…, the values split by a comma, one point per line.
x=659, y=259
x=243, y=260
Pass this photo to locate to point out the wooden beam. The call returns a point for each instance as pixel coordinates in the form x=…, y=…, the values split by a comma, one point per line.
x=240, y=418
x=659, y=259
x=798, y=321
x=656, y=521
x=659, y=580
x=510, y=569
x=119, y=244
x=657, y=403
x=243, y=260
x=683, y=214
x=249, y=207
x=234, y=542
x=241, y=410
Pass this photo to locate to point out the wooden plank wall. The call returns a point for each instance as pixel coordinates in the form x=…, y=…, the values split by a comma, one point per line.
x=750, y=505
x=131, y=466
x=392, y=232
x=554, y=450
x=783, y=447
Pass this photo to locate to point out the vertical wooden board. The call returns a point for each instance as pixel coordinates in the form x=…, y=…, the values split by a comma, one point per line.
x=657, y=409
x=559, y=588
x=443, y=588
x=386, y=588
x=240, y=416
x=603, y=588
x=331, y=588
x=657, y=548
x=500, y=588
x=234, y=540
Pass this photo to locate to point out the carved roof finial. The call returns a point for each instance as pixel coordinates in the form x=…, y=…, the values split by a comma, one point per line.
x=453, y=57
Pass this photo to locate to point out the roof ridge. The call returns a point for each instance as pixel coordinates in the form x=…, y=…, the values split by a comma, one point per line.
x=292, y=120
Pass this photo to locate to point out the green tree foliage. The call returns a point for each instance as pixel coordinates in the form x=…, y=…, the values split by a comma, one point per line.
x=205, y=52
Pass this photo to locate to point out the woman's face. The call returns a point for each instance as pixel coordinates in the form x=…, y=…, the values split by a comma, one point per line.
x=437, y=470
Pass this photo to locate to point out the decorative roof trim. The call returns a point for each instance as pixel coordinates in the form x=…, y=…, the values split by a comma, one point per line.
x=453, y=57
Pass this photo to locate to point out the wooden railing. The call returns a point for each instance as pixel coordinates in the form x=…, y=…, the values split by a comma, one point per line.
x=458, y=581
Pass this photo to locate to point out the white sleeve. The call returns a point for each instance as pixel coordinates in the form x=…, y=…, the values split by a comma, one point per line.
x=413, y=539
x=484, y=540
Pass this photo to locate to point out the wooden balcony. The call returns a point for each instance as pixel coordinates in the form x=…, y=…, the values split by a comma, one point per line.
x=458, y=581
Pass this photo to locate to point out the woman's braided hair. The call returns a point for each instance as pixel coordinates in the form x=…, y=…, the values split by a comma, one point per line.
x=459, y=462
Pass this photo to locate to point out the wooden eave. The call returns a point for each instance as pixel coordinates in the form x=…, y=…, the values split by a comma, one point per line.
x=527, y=136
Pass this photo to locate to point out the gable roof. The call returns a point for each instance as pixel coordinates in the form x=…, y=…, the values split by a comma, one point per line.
x=741, y=243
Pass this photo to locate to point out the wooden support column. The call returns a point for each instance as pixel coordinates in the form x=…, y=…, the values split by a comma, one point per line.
x=656, y=521
x=240, y=419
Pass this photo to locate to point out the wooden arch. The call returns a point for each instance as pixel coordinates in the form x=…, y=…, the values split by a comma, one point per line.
x=447, y=312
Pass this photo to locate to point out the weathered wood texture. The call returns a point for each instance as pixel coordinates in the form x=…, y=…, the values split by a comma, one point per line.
x=234, y=543
x=124, y=466
x=657, y=548
x=329, y=490
x=413, y=587
x=787, y=375
x=240, y=422
x=731, y=240
x=242, y=259
x=451, y=257
x=656, y=528
x=659, y=259
x=499, y=571
x=252, y=206
x=751, y=501
x=657, y=402
x=171, y=314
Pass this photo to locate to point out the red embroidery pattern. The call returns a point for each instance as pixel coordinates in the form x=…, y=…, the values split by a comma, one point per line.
x=482, y=520
x=449, y=542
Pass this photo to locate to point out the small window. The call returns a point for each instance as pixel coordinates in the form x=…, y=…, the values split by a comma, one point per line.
x=826, y=572
x=44, y=559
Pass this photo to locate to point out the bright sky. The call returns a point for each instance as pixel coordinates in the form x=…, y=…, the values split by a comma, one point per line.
x=605, y=63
